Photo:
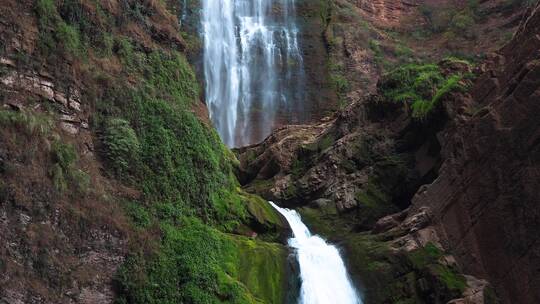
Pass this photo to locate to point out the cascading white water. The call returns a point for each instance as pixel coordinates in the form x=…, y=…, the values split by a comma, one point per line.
x=322, y=271
x=252, y=66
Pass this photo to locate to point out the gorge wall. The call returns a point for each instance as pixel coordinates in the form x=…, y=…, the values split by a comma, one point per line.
x=463, y=176
x=484, y=200
x=114, y=187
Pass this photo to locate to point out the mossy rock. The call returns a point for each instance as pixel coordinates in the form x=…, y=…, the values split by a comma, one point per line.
x=264, y=218
x=262, y=267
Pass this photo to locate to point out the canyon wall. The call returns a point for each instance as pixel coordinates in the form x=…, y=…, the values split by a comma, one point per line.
x=486, y=200
x=462, y=179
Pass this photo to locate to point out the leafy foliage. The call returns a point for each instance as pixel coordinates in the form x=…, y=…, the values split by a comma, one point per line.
x=69, y=36
x=122, y=144
x=420, y=85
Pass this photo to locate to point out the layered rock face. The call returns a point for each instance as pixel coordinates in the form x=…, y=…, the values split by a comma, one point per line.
x=485, y=200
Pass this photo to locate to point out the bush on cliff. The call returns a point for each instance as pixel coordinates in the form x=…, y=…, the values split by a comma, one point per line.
x=422, y=86
x=122, y=145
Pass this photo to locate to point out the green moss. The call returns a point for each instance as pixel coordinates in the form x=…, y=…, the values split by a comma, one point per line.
x=189, y=268
x=261, y=267
x=199, y=264
x=374, y=203
x=310, y=150
x=424, y=257
x=450, y=278
x=263, y=212
x=189, y=190
x=260, y=186
x=426, y=260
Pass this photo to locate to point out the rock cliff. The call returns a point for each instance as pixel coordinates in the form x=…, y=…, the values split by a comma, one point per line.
x=485, y=201
x=464, y=177
x=113, y=186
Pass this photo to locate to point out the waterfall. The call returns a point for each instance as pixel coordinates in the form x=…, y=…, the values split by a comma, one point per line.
x=322, y=271
x=253, y=67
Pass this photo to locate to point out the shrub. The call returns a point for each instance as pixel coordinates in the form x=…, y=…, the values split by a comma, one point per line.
x=47, y=13
x=139, y=214
x=64, y=155
x=422, y=108
x=69, y=37
x=125, y=50
x=122, y=145
x=421, y=86
x=462, y=23
x=338, y=81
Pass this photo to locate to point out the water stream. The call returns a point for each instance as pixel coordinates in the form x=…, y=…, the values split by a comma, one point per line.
x=322, y=271
x=253, y=67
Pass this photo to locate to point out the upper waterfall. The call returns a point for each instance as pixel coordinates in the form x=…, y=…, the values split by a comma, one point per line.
x=323, y=273
x=253, y=66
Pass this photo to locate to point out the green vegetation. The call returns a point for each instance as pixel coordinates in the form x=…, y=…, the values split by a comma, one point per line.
x=69, y=36
x=338, y=81
x=261, y=268
x=420, y=85
x=199, y=264
x=68, y=31
x=378, y=197
x=452, y=22
x=427, y=260
x=31, y=123
x=122, y=144
x=54, y=33
x=378, y=54
x=263, y=213
x=154, y=142
x=64, y=172
x=374, y=203
x=195, y=236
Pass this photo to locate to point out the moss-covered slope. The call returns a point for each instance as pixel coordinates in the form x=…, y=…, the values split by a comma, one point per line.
x=128, y=157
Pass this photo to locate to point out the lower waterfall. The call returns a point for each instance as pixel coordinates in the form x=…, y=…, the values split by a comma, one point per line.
x=322, y=271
